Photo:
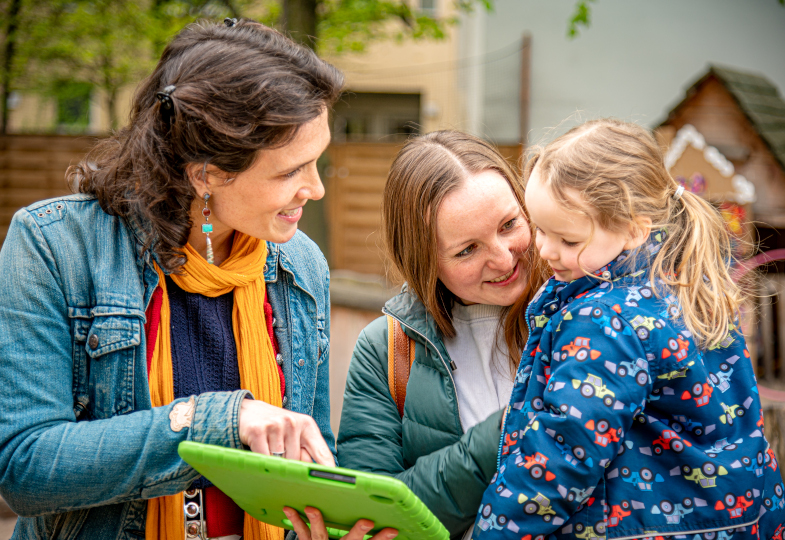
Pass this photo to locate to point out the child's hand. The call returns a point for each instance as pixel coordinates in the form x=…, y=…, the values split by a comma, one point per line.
x=318, y=531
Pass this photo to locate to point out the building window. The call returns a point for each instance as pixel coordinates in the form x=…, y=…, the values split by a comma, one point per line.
x=428, y=7
x=73, y=106
x=372, y=117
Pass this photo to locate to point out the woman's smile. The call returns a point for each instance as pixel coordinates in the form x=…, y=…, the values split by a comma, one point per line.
x=291, y=216
x=506, y=278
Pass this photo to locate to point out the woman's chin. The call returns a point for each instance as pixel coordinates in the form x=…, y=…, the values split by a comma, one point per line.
x=280, y=234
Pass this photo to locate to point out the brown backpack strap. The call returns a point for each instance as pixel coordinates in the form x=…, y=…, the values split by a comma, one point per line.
x=400, y=355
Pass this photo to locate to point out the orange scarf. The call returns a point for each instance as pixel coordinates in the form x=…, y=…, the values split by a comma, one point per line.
x=242, y=272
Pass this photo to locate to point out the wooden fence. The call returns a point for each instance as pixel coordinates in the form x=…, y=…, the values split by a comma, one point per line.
x=355, y=180
x=32, y=167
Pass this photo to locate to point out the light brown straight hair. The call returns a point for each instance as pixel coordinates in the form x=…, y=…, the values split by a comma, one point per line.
x=617, y=169
x=425, y=170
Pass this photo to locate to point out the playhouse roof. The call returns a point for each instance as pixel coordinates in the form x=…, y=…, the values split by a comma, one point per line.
x=758, y=99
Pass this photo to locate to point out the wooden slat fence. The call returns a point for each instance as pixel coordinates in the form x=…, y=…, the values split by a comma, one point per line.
x=32, y=167
x=355, y=181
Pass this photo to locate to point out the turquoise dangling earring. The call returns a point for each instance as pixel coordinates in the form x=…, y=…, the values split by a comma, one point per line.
x=207, y=228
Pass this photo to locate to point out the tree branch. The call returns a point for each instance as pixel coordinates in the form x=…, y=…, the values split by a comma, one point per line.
x=8, y=60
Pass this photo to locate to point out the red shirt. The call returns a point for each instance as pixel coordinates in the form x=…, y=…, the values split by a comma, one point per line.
x=222, y=516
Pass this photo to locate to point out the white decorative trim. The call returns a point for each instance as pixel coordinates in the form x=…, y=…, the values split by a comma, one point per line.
x=744, y=190
x=686, y=135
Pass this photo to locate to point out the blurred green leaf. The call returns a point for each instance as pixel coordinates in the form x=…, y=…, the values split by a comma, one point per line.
x=581, y=17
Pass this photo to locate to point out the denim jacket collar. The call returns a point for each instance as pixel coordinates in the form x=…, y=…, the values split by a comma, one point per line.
x=271, y=266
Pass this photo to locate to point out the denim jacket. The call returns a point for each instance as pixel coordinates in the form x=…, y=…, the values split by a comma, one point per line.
x=81, y=448
x=619, y=426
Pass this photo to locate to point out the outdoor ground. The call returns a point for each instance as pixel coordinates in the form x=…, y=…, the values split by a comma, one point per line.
x=7, y=521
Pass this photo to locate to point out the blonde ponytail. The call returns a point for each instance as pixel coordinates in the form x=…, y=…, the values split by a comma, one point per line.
x=695, y=261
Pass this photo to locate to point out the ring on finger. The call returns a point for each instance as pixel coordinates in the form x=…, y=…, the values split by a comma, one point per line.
x=278, y=454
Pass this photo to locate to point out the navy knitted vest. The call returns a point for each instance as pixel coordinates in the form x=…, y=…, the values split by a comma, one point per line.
x=204, y=353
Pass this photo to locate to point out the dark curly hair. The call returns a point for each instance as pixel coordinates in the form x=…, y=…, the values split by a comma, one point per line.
x=238, y=89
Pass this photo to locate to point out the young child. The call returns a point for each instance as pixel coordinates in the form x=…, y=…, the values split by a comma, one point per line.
x=635, y=411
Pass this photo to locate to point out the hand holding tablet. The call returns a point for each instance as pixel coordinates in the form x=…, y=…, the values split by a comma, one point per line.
x=313, y=529
x=346, y=499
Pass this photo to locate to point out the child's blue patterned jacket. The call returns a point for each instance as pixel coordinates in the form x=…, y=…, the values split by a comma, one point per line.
x=618, y=425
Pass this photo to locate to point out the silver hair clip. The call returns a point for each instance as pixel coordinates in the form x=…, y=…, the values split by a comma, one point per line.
x=677, y=194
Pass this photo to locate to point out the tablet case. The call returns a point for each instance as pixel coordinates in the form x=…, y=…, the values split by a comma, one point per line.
x=261, y=485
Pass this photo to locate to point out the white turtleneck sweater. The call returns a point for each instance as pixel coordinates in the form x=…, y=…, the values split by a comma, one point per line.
x=482, y=376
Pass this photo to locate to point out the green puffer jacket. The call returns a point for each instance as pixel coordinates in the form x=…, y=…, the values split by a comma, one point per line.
x=446, y=468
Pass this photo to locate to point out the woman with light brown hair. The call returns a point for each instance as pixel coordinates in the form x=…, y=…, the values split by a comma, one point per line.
x=456, y=232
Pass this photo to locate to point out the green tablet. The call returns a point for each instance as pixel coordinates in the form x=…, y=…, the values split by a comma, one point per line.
x=262, y=485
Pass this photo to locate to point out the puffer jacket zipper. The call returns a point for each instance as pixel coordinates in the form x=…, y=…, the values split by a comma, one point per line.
x=509, y=404
x=446, y=366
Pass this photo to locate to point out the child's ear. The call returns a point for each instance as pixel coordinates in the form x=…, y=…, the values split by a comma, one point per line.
x=639, y=232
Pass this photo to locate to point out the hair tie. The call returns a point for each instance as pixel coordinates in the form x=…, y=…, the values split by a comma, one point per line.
x=677, y=194
x=230, y=22
x=165, y=97
x=167, y=106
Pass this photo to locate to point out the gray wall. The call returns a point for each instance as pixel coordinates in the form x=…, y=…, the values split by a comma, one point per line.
x=634, y=62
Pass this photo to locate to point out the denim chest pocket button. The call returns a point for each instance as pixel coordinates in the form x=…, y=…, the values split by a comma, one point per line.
x=109, y=333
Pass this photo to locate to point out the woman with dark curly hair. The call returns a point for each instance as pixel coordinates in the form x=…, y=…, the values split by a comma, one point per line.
x=172, y=299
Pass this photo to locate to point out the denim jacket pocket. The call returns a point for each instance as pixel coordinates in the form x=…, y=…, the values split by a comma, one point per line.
x=108, y=345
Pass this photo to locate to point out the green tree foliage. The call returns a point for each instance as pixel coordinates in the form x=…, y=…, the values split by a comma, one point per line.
x=348, y=25
x=580, y=17
x=101, y=43
x=11, y=12
x=55, y=46
x=61, y=47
